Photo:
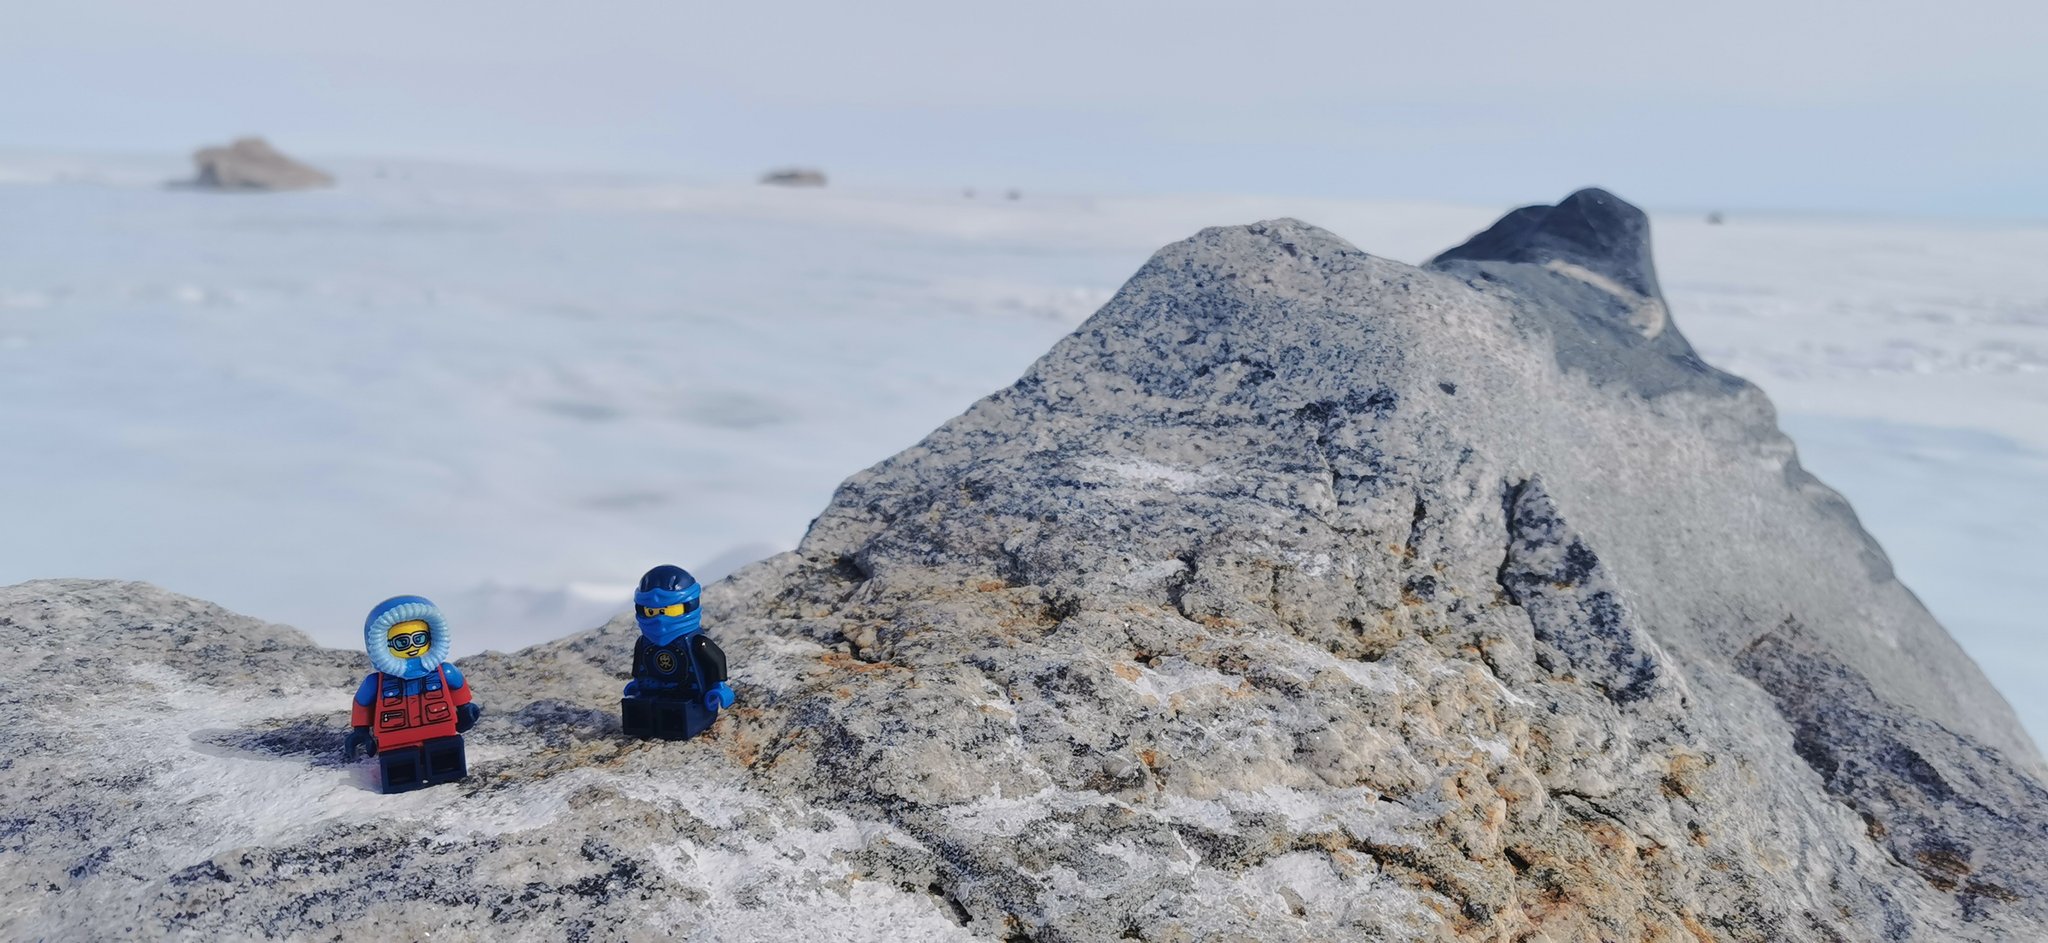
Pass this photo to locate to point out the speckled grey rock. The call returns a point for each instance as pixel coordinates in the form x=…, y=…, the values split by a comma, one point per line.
x=1581, y=272
x=1298, y=595
x=252, y=164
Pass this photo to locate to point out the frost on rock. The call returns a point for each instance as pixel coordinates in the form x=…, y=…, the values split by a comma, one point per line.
x=1297, y=595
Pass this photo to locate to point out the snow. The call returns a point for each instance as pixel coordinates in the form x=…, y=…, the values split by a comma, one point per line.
x=235, y=798
x=1145, y=474
x=209, y=798
x=1169, y=677
x=513, y=393
x=1010, y=816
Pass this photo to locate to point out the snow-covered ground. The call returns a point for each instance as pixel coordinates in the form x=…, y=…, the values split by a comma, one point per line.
x=514, y=393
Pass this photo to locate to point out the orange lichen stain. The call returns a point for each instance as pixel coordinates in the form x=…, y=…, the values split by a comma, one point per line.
x=1551, y=905
x=1149, y=757
x=1942, y=869
x=844, y=662
x=1657, y=933
x=1694, y=927
x=1613, y=840
x=1219, y=622
x=1332, y=842
x=1126, y=671
x=1513, y=790
x=743, y=750
x=1682, y=774
x=1993, y=891
x=990, y=586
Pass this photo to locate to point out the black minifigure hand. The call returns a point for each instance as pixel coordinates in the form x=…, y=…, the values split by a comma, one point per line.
x=359, y=739
x=466, y=715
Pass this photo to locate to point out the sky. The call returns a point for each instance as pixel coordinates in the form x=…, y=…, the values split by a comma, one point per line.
x=1873, y=107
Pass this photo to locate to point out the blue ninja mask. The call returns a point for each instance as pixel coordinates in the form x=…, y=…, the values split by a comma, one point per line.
x=666, y=605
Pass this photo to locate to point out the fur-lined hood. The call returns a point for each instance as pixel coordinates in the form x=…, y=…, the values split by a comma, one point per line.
x=391, y=612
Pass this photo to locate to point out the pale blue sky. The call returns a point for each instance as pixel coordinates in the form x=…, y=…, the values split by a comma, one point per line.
x=1874, y=106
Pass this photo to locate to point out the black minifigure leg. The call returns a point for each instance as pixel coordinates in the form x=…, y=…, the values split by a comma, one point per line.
x=681, y=719
x=664, y=718
x=668, y=720
x=446, y=762
x=636, y=717
x=401, y=770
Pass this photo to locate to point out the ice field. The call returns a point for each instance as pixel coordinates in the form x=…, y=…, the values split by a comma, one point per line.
x=513, y=393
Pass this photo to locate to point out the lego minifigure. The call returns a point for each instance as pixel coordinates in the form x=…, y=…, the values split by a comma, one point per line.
x=411, y=712
x=679, y=677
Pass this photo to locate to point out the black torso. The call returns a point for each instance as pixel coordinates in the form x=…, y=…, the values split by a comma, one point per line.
x=665, y=668
x=689, y=665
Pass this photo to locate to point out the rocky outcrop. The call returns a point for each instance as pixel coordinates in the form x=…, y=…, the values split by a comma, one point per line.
x=1939, y=803
x=794, y=177
x=1298, y=595
x=252, y=164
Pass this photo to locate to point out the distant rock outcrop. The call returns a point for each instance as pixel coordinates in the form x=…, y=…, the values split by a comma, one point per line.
x=1297, y=595
x=794, y=177
x=252, y=164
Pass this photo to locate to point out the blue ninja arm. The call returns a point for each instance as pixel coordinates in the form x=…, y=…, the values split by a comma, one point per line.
x=632, y=687
x=367, y=694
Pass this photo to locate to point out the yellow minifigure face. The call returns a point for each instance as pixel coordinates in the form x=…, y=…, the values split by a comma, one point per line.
x=409, y=639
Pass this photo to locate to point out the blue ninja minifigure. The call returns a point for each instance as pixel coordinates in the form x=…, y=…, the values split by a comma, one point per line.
x=679, y=676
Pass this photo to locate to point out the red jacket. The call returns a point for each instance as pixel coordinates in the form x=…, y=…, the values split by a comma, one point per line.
x=402, y=712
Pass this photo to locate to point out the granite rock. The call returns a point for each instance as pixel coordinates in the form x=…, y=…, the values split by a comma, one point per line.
x=1298, y=595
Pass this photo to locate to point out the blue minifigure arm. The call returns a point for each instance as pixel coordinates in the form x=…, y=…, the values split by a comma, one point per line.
x=366, y=695
x=719, y=697
x=633, y=688
x=453, y=674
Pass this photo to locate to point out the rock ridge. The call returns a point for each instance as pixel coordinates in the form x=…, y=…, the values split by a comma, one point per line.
x=1299, y=594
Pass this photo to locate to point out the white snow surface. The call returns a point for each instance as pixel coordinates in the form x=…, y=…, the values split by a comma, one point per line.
x=513, y=393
